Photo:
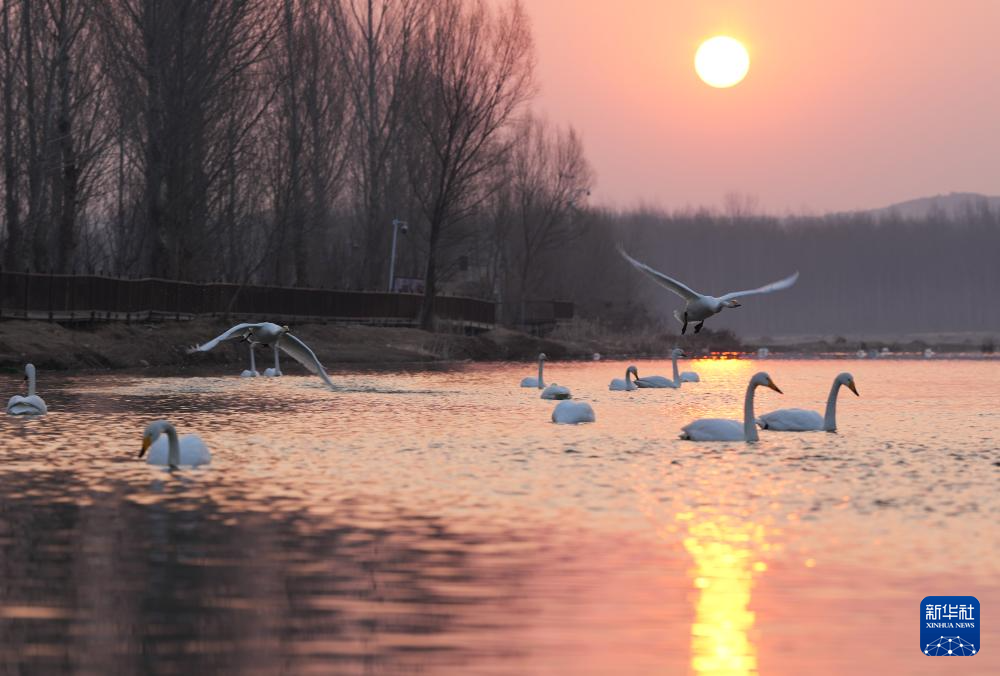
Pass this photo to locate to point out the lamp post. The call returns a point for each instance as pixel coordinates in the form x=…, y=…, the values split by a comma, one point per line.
x=397, y=225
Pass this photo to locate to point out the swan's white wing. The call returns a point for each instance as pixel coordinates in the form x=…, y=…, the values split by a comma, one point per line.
x=301, y=353
x=682, y=290
x=767, y=288
x=233, y=333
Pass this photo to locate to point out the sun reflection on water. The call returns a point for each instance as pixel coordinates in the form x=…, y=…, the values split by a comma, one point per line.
x=724, y=553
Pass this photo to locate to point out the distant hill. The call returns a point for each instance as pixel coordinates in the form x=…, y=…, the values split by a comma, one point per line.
x=952, y=204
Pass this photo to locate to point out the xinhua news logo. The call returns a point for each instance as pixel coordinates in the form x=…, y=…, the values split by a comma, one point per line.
x=949, y=626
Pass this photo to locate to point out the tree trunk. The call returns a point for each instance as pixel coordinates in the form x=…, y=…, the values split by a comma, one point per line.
x=12, y=253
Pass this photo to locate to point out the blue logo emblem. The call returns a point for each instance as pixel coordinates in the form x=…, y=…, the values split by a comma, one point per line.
x=949, y=626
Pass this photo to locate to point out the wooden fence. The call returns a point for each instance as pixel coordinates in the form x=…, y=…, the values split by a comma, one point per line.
x=27, y=295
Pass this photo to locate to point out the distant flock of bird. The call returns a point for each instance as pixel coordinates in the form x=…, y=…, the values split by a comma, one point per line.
x=165, y=447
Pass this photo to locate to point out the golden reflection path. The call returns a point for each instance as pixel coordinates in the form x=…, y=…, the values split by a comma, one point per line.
x=724, y=550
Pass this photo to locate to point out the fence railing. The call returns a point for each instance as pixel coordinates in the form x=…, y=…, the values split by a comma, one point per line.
x=56, y=297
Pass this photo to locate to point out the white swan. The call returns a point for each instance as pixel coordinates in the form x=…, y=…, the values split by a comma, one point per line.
x=266, y=333
x=275, y=371
x=800, y=420
x=686, y=376
x=719, y=429
x=31, y=404
x=573, y=412
x=661, y=381
x=554, y=391
x=626, y=384
x=252, y=371
x=700, y=307
x=172, y=451
x=538, y=382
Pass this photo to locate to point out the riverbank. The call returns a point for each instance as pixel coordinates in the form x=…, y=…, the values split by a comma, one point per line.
x=120, y=346
x=116, y=345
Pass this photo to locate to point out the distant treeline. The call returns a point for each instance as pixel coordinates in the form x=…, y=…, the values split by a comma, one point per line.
x=859, y=274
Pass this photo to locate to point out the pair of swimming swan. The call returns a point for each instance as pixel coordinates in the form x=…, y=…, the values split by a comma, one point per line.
x=31, y=404
x=268, y=333
x=698, y=306
x=782, y=420
x=628, y=385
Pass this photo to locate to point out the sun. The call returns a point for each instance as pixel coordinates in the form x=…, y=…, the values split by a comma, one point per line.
x=722, y=62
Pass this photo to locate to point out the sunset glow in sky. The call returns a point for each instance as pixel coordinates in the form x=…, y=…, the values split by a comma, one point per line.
x=853, y=104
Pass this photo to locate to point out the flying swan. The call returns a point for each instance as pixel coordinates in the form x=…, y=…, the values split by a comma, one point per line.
x=538, y=382
x=800, y=420
x=31, y=404
x=719, y=429
x=573, y=412
x=266, y=333
x=699, y=307
x=173, y=452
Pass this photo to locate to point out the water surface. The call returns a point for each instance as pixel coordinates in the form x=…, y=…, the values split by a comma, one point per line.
x=437, y=522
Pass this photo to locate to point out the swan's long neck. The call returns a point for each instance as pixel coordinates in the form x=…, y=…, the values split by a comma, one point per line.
x=253, y=362
x=830, y=419
x=173, y=445
x=677, y=375
x=541, y=368
x=749, y=422
x=31, y=381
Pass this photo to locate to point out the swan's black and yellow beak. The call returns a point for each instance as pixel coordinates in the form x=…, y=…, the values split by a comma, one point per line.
x=852, y=387
x=146, y=443
x=770, y=383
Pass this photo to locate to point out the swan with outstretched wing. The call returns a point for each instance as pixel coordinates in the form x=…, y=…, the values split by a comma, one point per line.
x=268, y=333
x=699, y=307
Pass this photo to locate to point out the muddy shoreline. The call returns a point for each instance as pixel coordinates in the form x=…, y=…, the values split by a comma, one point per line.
x=156, y=345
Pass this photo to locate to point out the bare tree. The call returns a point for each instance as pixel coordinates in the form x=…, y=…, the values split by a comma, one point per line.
x=477, y=65
x=178, y=69
x=376, y=40
x=550, y=181
x=11, y=127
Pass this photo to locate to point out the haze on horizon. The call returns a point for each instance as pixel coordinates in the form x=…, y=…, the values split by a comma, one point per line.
x=850, y=105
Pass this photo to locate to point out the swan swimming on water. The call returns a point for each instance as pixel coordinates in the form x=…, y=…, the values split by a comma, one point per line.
x=31, y=404
x=686, y=376
x=267, y=333
x=801, y=420
x=661, y=381
x=252, y=371
x=538, y=382
x=554, y=391
x=626, y=384
x=719, y=429
x=699, y=307
x=573, y=412
x=172, y=451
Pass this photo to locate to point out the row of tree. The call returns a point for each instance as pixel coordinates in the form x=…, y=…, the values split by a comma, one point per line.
x=861, y=275
x=275, y=141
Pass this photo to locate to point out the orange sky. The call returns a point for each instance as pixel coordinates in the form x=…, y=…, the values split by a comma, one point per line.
x=848, y=104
